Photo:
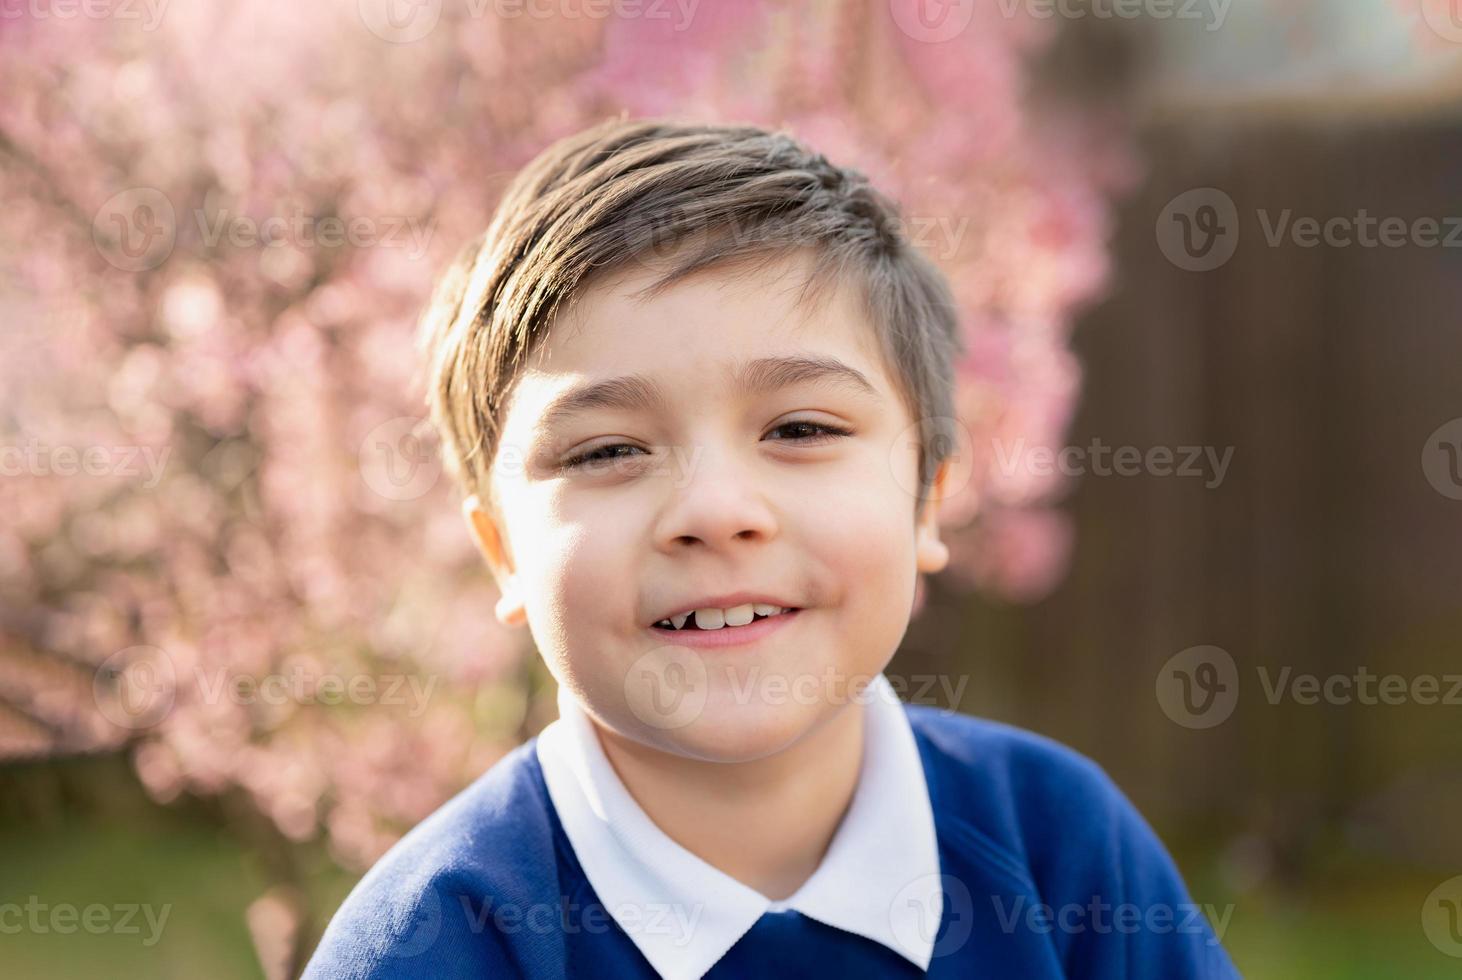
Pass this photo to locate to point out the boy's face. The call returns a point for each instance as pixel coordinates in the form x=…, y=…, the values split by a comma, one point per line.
x=715, y=492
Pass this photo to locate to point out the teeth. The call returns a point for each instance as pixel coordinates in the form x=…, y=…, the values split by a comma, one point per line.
x=710, y=619
x=714, y=619
x=739, y=615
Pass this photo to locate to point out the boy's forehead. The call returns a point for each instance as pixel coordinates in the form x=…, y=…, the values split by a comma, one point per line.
x=615, y=326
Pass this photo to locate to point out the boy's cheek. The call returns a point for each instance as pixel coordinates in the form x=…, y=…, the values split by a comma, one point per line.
x=870, y=519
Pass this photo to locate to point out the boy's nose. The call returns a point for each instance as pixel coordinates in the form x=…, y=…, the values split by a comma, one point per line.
x=717, y=502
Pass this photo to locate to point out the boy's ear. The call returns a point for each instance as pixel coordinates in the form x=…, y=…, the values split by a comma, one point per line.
x=510, y=610
x=931, y=554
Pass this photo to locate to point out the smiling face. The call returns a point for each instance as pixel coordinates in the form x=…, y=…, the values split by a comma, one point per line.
x=744, y=447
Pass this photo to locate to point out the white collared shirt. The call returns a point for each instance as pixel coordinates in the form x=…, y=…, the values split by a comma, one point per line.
x=879, y=877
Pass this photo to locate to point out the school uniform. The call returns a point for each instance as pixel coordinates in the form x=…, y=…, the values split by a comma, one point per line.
x=969, y=849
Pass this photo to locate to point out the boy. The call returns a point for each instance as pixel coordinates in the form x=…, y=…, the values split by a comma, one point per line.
x=695, y=382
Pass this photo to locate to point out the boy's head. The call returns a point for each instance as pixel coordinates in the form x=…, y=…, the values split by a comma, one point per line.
x=692, y=362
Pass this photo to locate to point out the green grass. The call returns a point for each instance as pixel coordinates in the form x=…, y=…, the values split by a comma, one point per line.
x=1349, y=931
x=201, y=882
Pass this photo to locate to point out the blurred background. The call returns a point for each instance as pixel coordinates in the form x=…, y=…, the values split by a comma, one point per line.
x=1209, y=499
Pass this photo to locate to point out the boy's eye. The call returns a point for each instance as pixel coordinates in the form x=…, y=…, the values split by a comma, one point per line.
x=599, y=455
x=798, y=431
x=811, y=431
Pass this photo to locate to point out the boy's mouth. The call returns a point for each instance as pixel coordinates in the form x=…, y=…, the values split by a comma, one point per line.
x=710, y=619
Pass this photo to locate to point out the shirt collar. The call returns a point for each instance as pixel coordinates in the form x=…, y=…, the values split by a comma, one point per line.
x=879, y=878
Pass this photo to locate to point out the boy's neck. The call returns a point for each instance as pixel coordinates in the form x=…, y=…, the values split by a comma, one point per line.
x=766, y=823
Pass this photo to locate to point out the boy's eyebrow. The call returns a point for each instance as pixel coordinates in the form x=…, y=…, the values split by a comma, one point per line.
x=635, y=392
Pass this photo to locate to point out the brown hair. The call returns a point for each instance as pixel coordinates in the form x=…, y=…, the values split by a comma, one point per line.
x=629, y=189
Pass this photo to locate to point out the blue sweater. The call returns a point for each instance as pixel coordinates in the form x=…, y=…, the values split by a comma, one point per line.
x=1048, y=871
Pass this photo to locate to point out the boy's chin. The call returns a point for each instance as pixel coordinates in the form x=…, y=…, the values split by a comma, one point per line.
x=743, y=732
